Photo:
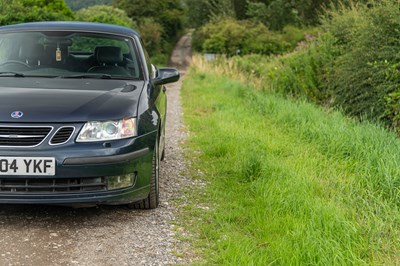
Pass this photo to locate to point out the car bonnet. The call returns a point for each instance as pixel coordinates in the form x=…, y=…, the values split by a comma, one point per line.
x=43, y=100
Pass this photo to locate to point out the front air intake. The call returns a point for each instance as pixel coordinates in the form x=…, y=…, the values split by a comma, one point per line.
x=23, y=136
x=62, y=135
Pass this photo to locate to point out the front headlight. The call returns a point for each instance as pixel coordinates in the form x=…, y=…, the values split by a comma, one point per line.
x=108, y=130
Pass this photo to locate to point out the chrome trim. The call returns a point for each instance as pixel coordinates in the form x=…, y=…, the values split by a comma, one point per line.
x=52, y=136
x=22, y=147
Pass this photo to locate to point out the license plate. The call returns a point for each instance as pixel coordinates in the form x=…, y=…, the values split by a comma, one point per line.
x=27, y=166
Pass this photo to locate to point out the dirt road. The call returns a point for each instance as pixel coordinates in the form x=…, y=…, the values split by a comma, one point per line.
x=48, y=235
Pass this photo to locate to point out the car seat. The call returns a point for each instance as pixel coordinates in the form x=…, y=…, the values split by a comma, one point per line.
x=108, y=58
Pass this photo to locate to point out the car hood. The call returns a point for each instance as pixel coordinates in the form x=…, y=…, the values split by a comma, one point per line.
x=68, y=100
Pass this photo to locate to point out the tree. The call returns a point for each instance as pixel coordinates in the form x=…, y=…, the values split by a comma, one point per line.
x=221, y=8
x=151, y=33
x=168, y=13
x=276, y=14
x=79, y=4
x=104, y=14
x=200, y=12
x=18, y=11
x=240, y=7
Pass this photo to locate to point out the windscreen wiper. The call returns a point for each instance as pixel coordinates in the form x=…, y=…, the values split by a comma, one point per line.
x=96, y=76
x=92, y=76
x=12, y=74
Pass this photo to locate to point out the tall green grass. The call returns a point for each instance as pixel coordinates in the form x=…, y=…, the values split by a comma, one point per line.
x=287, y=182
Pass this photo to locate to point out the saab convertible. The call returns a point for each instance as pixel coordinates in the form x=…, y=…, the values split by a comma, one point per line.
x=82, y=115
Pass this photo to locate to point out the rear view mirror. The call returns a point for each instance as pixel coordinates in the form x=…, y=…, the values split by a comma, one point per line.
x=53, y=41
x=166, y=75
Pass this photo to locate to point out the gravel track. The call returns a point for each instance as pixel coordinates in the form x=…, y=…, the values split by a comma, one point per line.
x=107, y=235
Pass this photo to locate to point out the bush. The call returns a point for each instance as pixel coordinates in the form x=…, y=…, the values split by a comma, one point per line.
x=392, y=101
x=231, y=37
x=300, y=74
x=369, y=40
x=294, y=35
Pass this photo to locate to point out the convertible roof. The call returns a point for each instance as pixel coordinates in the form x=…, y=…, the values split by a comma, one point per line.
x=73, y=26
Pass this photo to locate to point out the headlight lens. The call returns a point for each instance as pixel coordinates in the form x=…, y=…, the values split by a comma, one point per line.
x=108, y=130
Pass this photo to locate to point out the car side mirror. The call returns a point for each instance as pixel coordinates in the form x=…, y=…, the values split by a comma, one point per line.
x=166, y=75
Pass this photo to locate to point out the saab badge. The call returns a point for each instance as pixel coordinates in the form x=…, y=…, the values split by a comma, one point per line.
x=17, y=114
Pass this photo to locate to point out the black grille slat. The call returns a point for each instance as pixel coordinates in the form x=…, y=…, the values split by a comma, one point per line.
x=43, y=185
x=52, y=186
x=43, y=130
x=19, y=136
x=62, y=135
x=7, y=140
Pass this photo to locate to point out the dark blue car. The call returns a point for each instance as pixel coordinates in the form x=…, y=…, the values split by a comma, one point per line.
x=82, y=115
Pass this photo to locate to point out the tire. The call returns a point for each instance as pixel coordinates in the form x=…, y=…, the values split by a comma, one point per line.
x=163, y=150
x=153, y=199
x=163, y=155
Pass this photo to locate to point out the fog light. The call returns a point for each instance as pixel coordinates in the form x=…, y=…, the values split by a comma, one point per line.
x=120, y=181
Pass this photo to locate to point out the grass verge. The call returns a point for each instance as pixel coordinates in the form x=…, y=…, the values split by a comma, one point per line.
x=287, y=182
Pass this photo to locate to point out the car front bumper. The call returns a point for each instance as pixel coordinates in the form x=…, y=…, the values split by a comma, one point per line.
x=79, y=163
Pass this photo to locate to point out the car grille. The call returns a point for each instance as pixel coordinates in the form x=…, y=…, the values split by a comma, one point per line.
x=62, y=135
x=23, y=136
x=59, y=185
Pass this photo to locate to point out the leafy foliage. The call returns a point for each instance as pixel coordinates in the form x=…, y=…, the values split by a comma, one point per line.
x=151, y=33
x=159, y=23
x=366, y=71
x=230, y=37
x=198, y=13
x=275, y=14
x=18, y=11
x=79, y=4
x=168, y=13
x=104, y=14
x=201, y=12
x=300, y=74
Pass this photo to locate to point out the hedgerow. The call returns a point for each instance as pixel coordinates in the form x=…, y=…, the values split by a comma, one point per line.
x=352, y=65
x=364, y=77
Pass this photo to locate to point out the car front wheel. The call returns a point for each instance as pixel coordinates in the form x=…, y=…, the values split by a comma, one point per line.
x=152, y=201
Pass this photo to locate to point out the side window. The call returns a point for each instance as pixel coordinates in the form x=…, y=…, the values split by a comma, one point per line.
x=6, y=48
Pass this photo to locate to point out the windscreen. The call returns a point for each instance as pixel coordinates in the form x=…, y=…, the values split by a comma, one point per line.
x=69, y=54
